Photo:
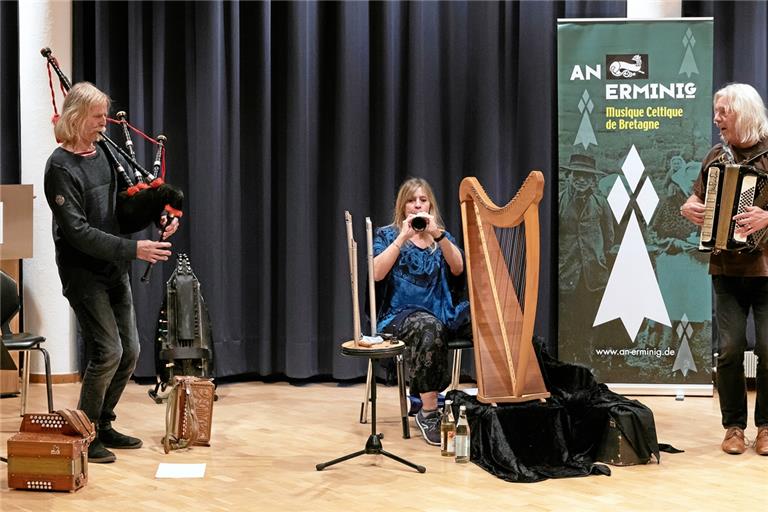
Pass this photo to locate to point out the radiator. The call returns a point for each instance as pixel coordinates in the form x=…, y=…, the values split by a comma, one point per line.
x=750, y=364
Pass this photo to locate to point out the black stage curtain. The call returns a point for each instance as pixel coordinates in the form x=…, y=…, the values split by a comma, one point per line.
x=280, y=116
x=10, y=162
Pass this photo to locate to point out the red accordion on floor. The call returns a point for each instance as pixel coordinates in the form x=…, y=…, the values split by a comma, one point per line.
x=50, y=452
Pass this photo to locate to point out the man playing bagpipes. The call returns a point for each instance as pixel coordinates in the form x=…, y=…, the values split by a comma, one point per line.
x=87, y=189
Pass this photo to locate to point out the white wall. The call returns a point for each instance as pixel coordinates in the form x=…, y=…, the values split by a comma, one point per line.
x=44, y=23
x=651, y=9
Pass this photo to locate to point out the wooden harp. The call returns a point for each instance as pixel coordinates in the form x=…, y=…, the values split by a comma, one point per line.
x=501, y=246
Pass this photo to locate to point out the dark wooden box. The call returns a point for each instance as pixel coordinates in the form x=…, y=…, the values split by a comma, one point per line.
x=615, y=448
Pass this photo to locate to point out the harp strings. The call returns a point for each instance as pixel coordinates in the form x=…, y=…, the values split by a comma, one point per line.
x=510, y=273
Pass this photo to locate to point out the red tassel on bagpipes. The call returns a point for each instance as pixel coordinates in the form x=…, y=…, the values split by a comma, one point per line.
x=148, y=199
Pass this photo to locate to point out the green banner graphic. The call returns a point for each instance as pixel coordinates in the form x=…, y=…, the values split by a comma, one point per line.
x=634, y=122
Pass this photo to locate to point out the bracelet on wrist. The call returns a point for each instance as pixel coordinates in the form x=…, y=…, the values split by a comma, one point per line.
x=442, y=235
x=399, y=247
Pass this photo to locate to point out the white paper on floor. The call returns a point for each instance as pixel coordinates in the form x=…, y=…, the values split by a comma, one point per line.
x=165, y=470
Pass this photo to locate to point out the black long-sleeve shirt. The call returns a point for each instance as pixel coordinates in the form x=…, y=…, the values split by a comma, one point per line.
x=82, y=193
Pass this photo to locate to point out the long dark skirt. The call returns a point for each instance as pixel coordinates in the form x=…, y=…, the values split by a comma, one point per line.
x=426, y=352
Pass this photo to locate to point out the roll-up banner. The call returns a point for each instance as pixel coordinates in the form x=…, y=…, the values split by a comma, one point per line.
x=634, y=123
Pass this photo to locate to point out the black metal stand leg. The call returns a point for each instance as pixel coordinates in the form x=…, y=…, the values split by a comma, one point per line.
x=420, y=469
x=48, y=385
x=373, y=445
x=324, y=465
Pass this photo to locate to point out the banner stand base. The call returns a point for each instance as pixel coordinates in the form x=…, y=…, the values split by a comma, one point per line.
x=677, y=390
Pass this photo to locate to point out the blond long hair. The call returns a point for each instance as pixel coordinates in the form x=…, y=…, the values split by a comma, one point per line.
x=751, y=120
x=77, y=104
x=407, y=190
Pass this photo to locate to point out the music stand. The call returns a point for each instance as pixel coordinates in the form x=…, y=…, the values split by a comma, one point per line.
x=373, y=444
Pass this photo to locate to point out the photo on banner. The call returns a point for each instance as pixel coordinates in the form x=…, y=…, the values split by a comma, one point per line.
x=634, y=123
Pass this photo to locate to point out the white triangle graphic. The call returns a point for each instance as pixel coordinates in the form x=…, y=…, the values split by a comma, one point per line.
x=632, y=293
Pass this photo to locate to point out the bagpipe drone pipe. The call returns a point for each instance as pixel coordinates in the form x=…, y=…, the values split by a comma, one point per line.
x=145, y=198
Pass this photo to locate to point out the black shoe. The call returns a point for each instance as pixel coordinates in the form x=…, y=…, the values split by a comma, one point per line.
x=114, y=439
x=429, y=424
x=98, y=454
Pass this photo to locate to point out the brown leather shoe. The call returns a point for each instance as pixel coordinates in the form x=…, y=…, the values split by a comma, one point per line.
x=761, y=442
x=734, y=441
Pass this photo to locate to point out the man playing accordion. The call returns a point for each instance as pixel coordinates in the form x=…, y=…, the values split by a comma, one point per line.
x=93, y=259
x=740, y=278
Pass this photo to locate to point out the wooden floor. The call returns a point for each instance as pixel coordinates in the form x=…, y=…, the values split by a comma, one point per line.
x=267, y=439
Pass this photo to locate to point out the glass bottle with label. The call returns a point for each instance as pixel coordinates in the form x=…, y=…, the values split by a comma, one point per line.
x=462, y=436
x=447, y=431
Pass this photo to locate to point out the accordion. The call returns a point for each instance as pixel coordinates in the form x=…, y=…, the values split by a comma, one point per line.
x=50, y=452
x=189, y=413
x=730, y=189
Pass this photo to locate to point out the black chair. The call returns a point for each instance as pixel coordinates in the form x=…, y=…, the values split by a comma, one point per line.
x=457, y=345
x=23, y=342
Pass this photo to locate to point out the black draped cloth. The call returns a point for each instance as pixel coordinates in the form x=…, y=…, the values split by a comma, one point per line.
x=562, y=437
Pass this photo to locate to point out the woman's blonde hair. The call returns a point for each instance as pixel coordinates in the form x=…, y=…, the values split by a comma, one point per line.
x=406, y=192
x=751, y=120
x=81, y=97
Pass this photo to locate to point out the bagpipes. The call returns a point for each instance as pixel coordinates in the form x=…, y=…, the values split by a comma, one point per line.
x=144, y=199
